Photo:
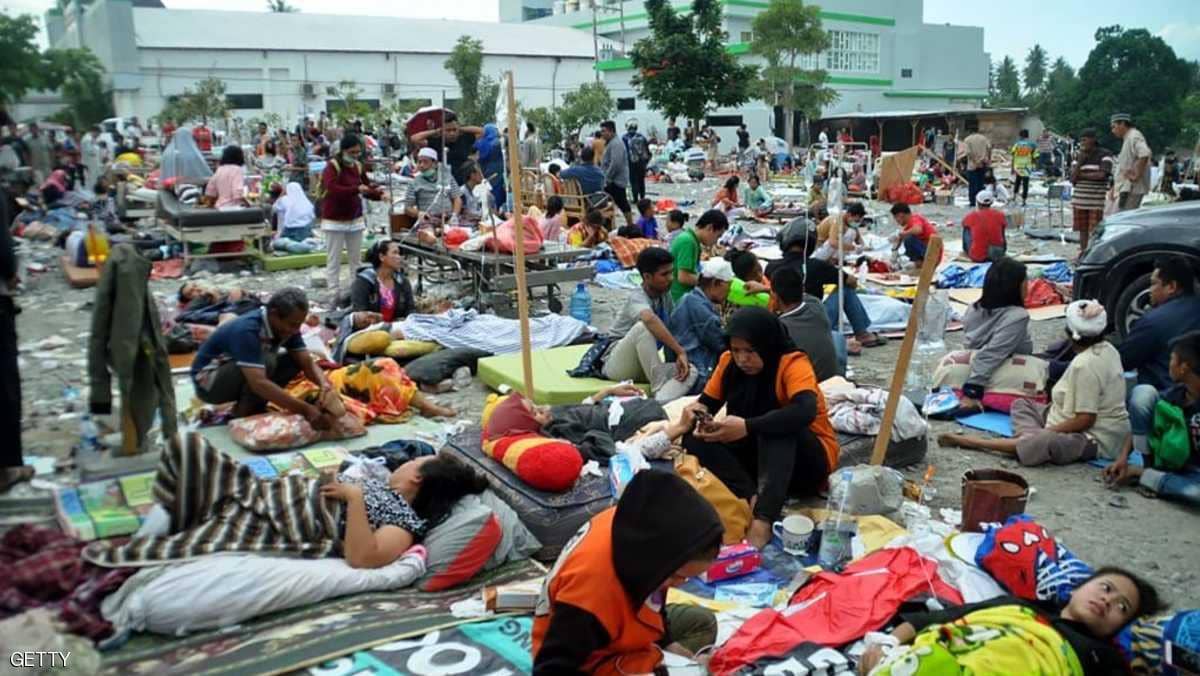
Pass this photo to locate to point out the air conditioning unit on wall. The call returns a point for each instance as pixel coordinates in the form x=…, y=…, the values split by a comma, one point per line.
x=389, y=90
x=308, y=90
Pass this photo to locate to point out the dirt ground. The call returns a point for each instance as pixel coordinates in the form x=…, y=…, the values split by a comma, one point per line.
x=1157, y=538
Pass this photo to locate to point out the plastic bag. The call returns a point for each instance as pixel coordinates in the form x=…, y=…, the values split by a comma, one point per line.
x=625, y=463
x=272, y=432
x=1041, y=294
x=873, y=489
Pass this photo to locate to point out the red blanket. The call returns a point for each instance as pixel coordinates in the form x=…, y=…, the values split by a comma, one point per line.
x=834, y=609
x=42, y=568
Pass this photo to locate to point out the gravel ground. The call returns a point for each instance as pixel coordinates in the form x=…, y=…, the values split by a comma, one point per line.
x=1101, y=526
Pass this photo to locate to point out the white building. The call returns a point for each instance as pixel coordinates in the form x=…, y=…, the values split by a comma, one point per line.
x=884, y=56
x=286, y=63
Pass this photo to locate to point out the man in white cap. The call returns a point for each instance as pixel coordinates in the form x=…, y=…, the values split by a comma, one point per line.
x=983, y=230
x=1131, y=181
x=696, y=321
x=1086, y=416
x=430, y=198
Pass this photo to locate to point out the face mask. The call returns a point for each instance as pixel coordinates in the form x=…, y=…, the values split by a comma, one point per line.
x=429, y=174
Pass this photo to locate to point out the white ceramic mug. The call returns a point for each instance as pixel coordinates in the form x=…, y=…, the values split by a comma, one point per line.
x=795, y=532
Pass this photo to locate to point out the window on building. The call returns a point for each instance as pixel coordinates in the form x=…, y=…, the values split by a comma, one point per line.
x=906, y=72
x=747, y=36
x=453, y=104
x=531, y=13
x=629, y=103
x=723, y=120
x=244, y=101
x=853, y=52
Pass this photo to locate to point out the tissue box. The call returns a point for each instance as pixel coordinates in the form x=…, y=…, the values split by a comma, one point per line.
x=733, y=561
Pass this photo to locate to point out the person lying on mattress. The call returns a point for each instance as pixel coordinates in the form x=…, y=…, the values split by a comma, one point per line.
x=587, y=425
x=242, y=361
x=212, y=305
x=1086, y=416
x=382, y=520
x=1013, y=636
x=776, y=439
x=602, y=609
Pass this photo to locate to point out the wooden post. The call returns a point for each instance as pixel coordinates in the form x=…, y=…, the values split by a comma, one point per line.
x=944, y=164
x=514, y=168
x=933, y=256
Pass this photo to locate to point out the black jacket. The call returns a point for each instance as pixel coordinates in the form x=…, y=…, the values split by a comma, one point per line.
x=364, y=293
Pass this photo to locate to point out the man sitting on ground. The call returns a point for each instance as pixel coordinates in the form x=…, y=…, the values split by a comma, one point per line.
x=241, y=361
x=696, y=321
x=983, y=230
x=686, y=247
x=641, y=327
x=806, y=322
x=915, y=233
x=1176, y=311
x=430, y=198
x=797, y=242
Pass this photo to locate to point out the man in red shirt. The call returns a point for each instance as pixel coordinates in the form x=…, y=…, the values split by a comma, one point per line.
x=983, y=230
x=915, y=231
x=203, y=137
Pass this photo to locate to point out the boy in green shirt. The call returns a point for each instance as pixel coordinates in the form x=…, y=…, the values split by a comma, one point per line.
x=686, y=250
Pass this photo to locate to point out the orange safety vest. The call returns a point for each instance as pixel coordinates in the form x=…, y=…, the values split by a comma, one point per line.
x=585, y=577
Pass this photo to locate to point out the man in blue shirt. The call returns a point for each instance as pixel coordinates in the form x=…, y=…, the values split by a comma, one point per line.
x=241, y=361
x=1176, y=311
x=696, y=320
x=590, y=177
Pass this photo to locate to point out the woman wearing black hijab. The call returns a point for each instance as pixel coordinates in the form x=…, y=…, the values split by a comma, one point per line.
x=776, y=439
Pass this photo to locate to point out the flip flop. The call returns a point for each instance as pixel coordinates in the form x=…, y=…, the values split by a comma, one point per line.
x=875, y=340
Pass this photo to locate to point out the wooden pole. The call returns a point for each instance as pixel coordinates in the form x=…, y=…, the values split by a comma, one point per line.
x=944, y=164
x=514, y=168
x=933, y=256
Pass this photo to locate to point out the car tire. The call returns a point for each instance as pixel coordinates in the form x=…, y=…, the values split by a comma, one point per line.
x=1128, y=301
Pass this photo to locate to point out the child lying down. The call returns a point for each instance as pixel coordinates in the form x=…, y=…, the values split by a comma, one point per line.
x=1008, y=635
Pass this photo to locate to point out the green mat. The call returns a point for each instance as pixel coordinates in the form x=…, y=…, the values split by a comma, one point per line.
x=551, y=384
x=293, y=639
x=295, y=261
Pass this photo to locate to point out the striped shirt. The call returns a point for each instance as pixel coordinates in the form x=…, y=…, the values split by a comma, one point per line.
x=1090, y=194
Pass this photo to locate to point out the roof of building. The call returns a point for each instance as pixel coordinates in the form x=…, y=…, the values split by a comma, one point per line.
x=299, y=31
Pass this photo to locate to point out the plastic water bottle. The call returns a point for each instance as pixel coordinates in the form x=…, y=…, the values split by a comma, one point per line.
x=581, y=304
x=838, y=529
x=89, y=439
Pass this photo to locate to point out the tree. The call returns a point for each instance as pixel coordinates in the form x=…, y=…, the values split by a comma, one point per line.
x=1060, y=84
x=20, y=62
x=281, y=6
x=683, y=69
x=590, y=104
x=477, y=92
x=203, y=101
x=1129, y=71
x=350, y=106
x=79, y=76
x=1008, y=85
x=1035, y=69
x=786, y=31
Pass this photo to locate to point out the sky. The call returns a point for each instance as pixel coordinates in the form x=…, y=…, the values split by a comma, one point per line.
x=1064, y=27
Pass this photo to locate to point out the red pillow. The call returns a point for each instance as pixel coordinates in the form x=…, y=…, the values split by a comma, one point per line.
x=460, y=546
x=544, y=463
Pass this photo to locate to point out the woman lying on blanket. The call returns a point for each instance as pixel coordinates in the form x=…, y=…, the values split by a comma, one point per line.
x=1086, y=416
x=215, y=504
x=1009, y=635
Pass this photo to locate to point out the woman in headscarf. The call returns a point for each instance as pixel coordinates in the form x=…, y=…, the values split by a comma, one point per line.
x=1086, y=416
x=295, y=215
x=491, y=161
x=182, y=159
x=776, y=439
x=602, y=609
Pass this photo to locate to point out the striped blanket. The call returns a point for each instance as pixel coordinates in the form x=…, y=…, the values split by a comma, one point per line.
x=218, y=505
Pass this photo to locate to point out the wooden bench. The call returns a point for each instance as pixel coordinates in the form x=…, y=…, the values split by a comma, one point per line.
x=576, y=204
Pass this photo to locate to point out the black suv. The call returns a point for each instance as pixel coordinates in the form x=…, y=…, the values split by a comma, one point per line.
x=1116, y=267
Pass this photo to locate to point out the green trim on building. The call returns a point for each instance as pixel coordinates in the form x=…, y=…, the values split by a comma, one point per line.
x=864, y=81
x=758, y=4
x=904, y=94
x=615, y=64
x=738, y=47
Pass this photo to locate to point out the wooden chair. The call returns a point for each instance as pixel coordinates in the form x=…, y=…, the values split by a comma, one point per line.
x=576, y=204
x=532, y=192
